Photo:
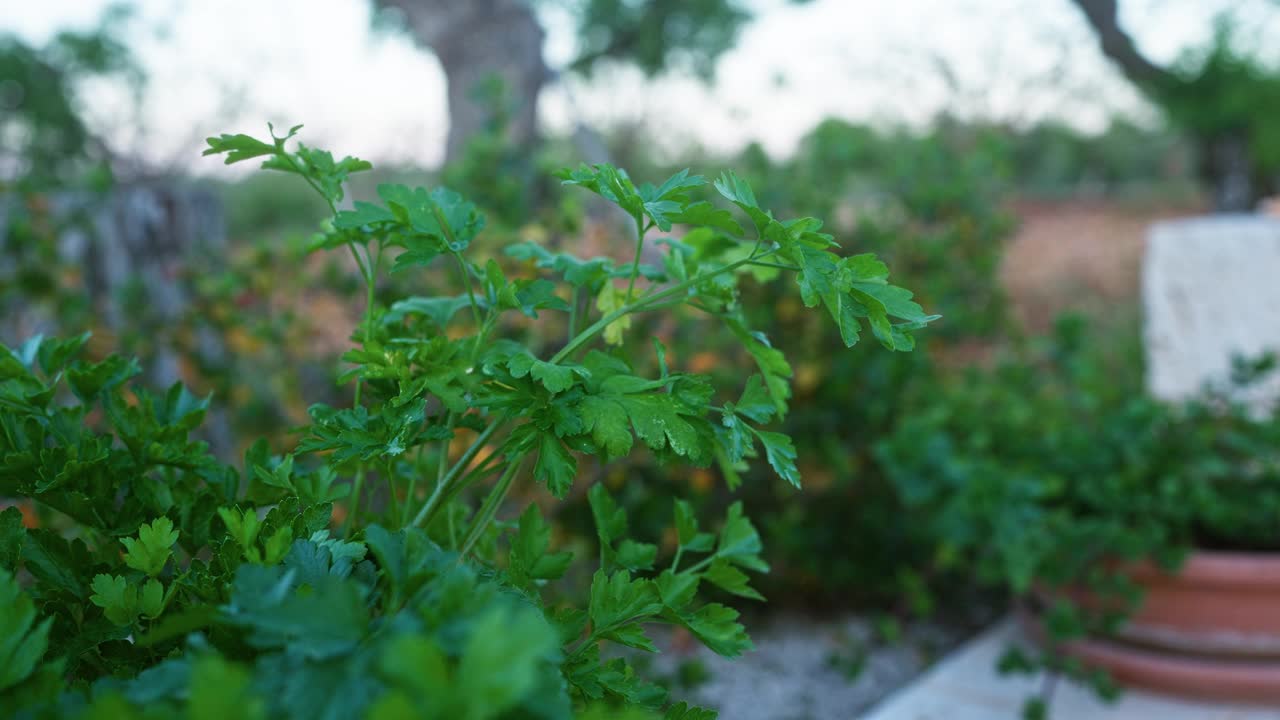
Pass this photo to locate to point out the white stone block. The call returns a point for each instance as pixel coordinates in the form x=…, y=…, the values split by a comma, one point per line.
x=1210, y=291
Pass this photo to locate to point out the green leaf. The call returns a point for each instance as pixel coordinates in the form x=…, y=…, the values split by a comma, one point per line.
x=529, y=559
x=315, y=488
x=556, y=466
x=684, y=711
x=610, y=520
x=87, y=381
x=737, y=191
x=117, y=598
x=389, y=549
x=326, y=174
x=756, y=403
x=279, y=476
x=243, y=526
x=704, y=214
x=606, y=419
x=633, y=555
x=877, y=317
x=417, y=663
x=608, y=182
x=277, y=546
x=340, y=549
x=439, y=310
x=661, y=203
x=781, y=455
x=730, y=579
x=23, y=640
x=618, y=603
x=677, y=590
x=739, y=542
x=821, y=281
x=151, y=550
x=589, y=274
x=633, y=636
x=663, y=421
x=56, y=561
x=555, y=378
x=498, y=292
x=12, y=535
x=504, y=659
x=773, y=365
x=55, y=354
x=328, y=620
x=152, y=599
x=687, y=533
x=238, y=147
x=365, y=213
x=436, y=222
x=220, y=689
x=615, y=679
x=718, y=628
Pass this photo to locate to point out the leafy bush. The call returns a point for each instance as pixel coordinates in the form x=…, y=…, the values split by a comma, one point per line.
x=160, y=580
x=1050, y=472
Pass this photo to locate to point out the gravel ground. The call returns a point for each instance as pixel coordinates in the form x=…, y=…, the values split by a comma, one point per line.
x=805, y=668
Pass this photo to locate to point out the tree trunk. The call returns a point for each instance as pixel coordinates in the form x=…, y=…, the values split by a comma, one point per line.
x=475, y=41
x=1227, y=167
x=1117, y=45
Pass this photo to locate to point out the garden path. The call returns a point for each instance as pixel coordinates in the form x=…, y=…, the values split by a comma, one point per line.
x=966, y=686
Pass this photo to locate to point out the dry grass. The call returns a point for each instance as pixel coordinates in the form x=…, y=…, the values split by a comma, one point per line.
x=1082, y=256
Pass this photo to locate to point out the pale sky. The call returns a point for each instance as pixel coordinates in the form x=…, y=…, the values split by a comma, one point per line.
x=231, y=65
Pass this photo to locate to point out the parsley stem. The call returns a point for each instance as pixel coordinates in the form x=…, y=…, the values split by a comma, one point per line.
x=635, y=262
x=573, y=312
x=488, y=466
x=779, y=266
x=357, y=486
x=365, y=272
x=466, y=458
x=699, y=565
x=471, y=298
x=394, y=499
x=598, y=634
x=413, y=486
x=484, y=517
x=370, y=271
x=462, y=264
x=640, y=303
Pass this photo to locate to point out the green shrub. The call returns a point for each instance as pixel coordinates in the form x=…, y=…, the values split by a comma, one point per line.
x=1043, y=472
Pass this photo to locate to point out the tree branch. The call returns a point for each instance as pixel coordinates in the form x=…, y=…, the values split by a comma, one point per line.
x=1119, y=47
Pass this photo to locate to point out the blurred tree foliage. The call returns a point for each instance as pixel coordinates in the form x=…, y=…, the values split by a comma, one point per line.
x=46, y=145
x=1224, y=96
x=44, y=141
x=656, y=34
x=481, y=41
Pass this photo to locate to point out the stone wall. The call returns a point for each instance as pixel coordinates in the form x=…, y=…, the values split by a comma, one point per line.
x=1211, y=291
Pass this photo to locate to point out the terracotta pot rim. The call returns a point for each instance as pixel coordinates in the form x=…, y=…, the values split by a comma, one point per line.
x=1217, y=567
x=1254, y=680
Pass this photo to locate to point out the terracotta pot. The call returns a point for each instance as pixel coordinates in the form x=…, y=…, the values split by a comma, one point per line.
x=1218, y=603
x=1203, y=677
x=1212, y=629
